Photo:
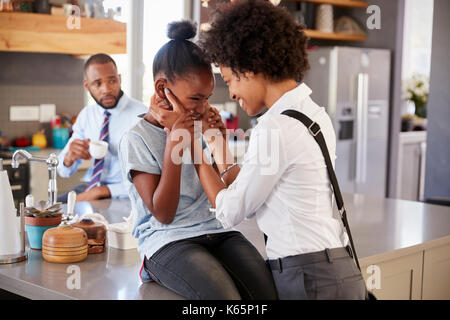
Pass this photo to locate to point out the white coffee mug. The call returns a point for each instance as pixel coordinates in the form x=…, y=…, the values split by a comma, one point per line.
x=98, y=149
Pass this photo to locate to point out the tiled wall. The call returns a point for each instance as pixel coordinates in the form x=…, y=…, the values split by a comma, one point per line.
x=32, y=79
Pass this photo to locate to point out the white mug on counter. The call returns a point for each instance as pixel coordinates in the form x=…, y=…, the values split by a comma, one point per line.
x=98, y=149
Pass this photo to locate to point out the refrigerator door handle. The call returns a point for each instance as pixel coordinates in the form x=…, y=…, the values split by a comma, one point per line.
x=361, y=127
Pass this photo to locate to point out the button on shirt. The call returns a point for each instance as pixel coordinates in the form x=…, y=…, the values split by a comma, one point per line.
x=88, y=126
x=284, y=182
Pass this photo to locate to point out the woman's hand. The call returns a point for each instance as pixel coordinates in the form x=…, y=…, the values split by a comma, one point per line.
x=212, y=120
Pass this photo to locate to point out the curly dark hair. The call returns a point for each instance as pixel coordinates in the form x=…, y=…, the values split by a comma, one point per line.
x=255, y=36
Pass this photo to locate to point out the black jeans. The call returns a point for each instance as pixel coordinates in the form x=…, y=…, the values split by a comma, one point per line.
x=220, y=266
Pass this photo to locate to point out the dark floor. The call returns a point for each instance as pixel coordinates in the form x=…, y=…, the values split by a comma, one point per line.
x=6, y=295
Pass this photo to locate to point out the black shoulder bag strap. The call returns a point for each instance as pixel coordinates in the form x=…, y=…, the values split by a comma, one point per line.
x=315, y=131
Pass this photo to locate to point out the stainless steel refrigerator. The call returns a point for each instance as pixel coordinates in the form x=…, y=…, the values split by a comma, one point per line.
x=353, y=85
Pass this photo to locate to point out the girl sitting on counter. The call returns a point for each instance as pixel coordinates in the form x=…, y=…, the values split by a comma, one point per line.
x=261, y=52
x=184, y=247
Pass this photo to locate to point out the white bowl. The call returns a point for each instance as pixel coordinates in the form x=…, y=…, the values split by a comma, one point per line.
x=122, y=241
x=98, y=149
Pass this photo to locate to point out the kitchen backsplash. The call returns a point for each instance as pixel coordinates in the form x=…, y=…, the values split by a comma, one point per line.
x=31, y=79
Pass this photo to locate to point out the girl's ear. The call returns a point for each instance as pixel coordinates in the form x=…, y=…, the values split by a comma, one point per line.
x=160, y=84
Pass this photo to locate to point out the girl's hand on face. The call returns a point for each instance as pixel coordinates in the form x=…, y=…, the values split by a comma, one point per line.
x=185, y=118
x=212, y=120
x=160, y=109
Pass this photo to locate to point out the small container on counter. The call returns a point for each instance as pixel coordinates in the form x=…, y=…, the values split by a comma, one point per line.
x=64, y=244
x=96, y=233
x=120, y=237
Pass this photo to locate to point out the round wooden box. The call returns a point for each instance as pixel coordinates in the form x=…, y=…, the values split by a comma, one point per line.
x=64, y=244
x=96, y=233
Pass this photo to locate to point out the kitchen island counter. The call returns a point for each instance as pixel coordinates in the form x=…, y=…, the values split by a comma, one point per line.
x=384, y=230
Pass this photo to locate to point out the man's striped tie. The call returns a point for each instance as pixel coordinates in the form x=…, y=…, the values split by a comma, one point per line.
x=99, y=163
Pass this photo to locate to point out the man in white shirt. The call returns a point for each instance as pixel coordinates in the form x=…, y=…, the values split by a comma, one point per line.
x=107, y=120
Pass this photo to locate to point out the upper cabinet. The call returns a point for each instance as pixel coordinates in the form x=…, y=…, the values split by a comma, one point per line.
x=316, y=34
x=308, y=15
x=31, y=32
x=338, y=3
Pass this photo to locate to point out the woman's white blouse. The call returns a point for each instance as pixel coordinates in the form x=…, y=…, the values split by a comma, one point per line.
x=284, y=182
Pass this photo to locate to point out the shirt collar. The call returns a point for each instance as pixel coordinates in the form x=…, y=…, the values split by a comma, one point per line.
x=289, y=99
x=123, y=101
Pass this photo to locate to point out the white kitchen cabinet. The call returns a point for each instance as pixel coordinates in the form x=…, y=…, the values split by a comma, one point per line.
x=411, y=165
x=436, y=273
x=401, y=278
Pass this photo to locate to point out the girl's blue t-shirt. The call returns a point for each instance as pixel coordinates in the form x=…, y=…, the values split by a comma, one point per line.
x=142, y=149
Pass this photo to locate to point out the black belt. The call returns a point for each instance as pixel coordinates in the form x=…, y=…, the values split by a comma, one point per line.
x=312, y=257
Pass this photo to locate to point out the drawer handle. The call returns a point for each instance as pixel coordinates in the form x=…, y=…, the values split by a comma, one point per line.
x=16, y=187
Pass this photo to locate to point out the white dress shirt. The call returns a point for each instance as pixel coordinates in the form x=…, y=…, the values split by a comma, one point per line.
x=88, y=125
x=284, y=181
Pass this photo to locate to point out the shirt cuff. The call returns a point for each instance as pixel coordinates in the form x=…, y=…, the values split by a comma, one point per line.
x=220, y=210
x=117, y=190
x=66, y=172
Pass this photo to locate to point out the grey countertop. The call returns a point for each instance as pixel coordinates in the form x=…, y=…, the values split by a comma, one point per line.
x=382, y=229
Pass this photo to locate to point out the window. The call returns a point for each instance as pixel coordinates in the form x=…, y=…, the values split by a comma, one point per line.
x=418, y=30
x=417, y=38
x=120, y=59
x=157, y=14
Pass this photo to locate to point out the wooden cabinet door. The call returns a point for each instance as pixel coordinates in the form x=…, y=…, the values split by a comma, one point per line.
x=400, y=279
x=436, y=273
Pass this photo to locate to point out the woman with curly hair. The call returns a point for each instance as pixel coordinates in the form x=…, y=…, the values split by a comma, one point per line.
x=283, y=181
x=184, y=248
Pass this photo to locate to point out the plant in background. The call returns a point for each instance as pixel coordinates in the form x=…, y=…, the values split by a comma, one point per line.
x=39, y=218
x=44, y=210
x=415, y=90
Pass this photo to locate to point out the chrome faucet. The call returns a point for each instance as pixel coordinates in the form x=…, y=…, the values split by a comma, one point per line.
x=52, y=163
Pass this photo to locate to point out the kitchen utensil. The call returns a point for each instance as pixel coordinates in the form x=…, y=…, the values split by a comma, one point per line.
x=71, y=199
x=60, y=137
x=12, y=243
x=96, y=233
x=324, y=18
x=98, y=149
x=119, y=234
x=120, y=238
x=65, y=244
x=39, y=139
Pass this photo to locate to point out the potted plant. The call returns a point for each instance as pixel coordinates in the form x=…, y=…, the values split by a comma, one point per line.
x=40, y=218
x=415, y=91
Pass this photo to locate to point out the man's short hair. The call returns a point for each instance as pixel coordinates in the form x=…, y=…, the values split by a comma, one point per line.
x=99, y=58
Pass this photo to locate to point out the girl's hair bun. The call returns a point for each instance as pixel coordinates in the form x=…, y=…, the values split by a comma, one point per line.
x=181, y=30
